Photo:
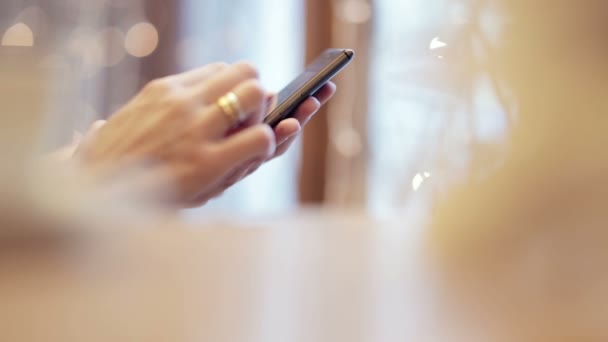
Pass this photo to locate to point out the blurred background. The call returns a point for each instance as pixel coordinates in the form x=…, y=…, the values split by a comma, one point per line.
x=429, y=101
x=397, y=131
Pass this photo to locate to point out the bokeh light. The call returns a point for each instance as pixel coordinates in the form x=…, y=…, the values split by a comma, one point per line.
x=141, y=39
x=19, y=34
x=354, y=11
x=419, y=179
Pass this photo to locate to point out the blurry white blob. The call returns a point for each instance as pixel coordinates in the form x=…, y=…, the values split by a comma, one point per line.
x=18, y=35
x=436, y=44
x=110, y=41
x=141, y=40
x=348, y=143
x=96, y=50
x=419, y=179
x=354, y=11
x=81, y=46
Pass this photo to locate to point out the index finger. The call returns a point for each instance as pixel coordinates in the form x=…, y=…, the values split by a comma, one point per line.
x=325, y=93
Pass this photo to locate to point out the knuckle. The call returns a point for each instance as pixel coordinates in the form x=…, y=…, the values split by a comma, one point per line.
x=98, y=123
x=248, y=69
x=161, y=85
x=267, y=133
x=205, y=89
x=178, y=97
x=179, y=102
x=207, y=156
x=255, y=91
x=220, y=65
x=265, y=137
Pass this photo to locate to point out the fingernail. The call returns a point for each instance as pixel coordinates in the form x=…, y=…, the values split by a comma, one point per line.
x=271, y=101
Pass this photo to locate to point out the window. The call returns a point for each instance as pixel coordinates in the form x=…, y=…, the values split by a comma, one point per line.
x=270, y=34
x=418, y=120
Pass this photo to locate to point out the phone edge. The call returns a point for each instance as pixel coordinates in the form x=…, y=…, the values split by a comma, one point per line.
x=328, y=72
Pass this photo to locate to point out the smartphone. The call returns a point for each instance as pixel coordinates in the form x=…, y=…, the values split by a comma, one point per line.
x=315, y=75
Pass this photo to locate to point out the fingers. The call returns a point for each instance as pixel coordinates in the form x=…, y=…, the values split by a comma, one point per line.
x=306, y=110
x=196, y=76
x=253, y=168
x=312, y=105
x=95, y=126
x=199, y=201
x=232, y=178
x=88, y=137
x=213, y=122
x=286, y=129
x=224, y=81
x=284, y=147
x=255, y=142
x=325, y=93
x=237, y=175
x=286, y=133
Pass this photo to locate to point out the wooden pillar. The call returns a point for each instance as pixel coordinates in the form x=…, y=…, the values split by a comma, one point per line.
x=315, y=139
x=165, y=15
x=348, y=150
x=123, y=81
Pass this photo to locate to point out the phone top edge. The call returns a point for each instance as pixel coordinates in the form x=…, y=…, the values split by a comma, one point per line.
x=349, y=53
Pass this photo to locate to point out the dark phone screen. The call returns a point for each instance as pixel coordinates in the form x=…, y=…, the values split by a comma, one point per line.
x=310, y=72
x=296, y=84
x=319, y=71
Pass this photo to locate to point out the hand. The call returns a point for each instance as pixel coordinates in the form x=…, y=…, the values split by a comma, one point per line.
x=174, y=130
x=286, y=132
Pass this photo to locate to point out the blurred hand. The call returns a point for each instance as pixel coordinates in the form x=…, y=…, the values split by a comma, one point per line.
x=174, y=130
x=286, y=132
x=141, y=132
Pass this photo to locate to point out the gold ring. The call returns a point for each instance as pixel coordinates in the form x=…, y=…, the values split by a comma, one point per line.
x=236, y=105
x=230, y=106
